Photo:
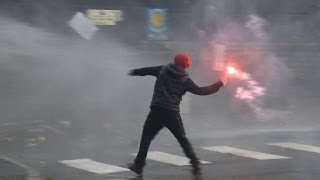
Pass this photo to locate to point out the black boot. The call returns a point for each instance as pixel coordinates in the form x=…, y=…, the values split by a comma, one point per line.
x=196, y=168
x=135, y=168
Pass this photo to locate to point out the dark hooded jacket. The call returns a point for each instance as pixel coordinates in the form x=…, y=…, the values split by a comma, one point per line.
x=171, y=84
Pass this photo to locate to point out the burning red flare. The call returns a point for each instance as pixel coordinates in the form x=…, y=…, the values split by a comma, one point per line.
x=231, y=70
x=251, y=89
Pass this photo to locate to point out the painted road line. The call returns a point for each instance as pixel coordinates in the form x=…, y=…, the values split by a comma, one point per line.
x=9, y=124
x=244, y=153
x=93, y=166
x=296, y=146
x=169, y=158
x=32, y=173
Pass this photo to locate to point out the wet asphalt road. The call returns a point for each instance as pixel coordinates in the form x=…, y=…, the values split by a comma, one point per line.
x=40, y=145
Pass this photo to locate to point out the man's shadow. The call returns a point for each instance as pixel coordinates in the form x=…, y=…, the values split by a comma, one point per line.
x=197, y=177
x=140, y=177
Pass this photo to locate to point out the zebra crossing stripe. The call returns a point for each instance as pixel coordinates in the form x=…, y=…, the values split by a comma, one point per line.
x=296, y=146
x=93, y=166
x=169, y=158
x=244, y=153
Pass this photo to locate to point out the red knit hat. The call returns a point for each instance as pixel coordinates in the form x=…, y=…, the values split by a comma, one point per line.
x=183, y=60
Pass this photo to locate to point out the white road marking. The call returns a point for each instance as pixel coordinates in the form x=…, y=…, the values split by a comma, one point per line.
x=169, y=158
x=8, y=124
x=93, y=166
x=296, y=146
x=32, y=173
x=244, y=153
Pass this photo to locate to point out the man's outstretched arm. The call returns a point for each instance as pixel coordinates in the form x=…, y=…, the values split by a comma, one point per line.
x=152, y=71
x=206, y=90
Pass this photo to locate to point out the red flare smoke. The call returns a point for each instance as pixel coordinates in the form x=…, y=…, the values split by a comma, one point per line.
x=251, y=89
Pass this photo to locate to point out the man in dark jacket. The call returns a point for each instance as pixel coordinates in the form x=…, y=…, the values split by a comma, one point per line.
x=172, y=83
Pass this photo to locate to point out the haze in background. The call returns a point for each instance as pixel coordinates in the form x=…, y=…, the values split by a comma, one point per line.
x=56, y=75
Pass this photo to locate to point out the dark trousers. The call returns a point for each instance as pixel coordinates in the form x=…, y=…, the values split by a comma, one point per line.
x=156, y=120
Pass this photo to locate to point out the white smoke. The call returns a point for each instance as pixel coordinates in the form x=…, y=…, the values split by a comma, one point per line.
x=276, y=68
x=256, y=24
x=268, y=70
